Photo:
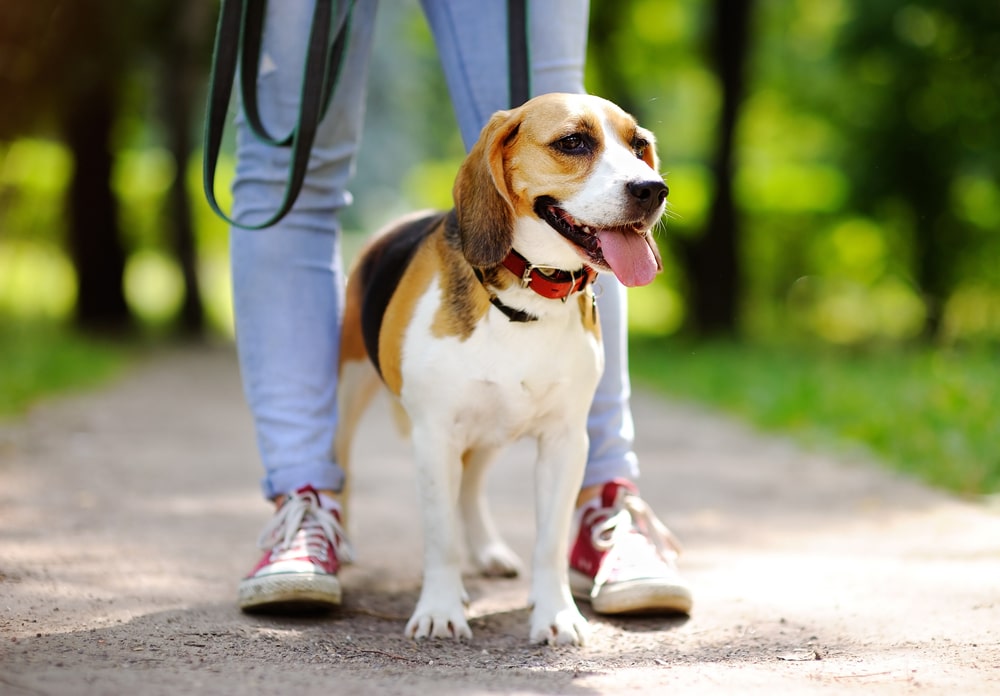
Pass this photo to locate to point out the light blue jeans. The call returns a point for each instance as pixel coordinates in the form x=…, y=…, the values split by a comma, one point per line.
x=288, y=279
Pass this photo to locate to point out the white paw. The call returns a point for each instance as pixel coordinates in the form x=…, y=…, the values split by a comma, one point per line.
x=497, y=560
x=565, y=626
x=443, y=621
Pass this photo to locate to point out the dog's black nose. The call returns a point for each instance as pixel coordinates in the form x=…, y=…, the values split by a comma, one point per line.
x=648, y=193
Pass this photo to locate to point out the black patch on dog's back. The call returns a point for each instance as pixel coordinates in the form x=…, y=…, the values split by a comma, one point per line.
x=381, y=270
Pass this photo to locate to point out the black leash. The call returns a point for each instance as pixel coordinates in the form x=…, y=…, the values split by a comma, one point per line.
x=238, y=43
x=517, y=52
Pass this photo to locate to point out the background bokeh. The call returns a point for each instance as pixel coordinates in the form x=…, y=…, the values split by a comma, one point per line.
x=863, y=169
x=834, y=204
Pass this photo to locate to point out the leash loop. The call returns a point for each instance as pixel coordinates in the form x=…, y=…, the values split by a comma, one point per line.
x=238, y=42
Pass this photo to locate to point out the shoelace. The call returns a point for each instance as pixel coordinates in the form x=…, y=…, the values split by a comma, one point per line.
x=303, y=512
x=629, y=513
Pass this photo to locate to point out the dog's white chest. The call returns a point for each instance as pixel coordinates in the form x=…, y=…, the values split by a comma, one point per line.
x=506, y=380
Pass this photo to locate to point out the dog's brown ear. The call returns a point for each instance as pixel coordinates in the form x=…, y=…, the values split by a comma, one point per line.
x=483, y=202
x=649, y=156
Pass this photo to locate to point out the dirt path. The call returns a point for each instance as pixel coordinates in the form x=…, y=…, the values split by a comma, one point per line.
x=126, y=517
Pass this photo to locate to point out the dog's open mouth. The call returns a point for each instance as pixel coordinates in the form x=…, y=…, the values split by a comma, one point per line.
x=628, y=251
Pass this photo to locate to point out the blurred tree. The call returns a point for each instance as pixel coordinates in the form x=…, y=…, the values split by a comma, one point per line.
x=92, y=70
x=919, y=101
x=182, y=54
x=64, y=69
x=608, y=22
x=94, y=236
x=23, y=39
x=711, y=259
x=60, y=69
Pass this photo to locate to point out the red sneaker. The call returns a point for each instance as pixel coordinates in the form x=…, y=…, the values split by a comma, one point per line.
x=304, y=546
x=624, y=560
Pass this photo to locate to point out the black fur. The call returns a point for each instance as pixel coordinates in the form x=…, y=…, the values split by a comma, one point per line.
x=381, y=270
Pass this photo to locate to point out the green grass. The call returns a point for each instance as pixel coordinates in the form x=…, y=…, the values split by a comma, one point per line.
x=41, y=359
x=931, y=413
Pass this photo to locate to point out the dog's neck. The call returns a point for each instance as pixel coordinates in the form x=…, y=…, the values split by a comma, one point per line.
x=551, y=283
x=556, y=284
x=547, y=281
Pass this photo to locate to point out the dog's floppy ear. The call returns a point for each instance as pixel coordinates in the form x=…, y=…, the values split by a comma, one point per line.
x=483, y=202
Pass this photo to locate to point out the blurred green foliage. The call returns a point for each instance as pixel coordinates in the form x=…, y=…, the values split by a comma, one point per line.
x=930, y=413
x=867, y=169
x=39, y=359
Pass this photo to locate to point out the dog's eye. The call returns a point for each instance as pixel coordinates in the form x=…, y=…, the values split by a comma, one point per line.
x=639, y=146
x=575, y=144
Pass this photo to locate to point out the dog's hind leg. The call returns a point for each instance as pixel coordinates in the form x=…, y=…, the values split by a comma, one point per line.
x=358, y=384
x=488, y=550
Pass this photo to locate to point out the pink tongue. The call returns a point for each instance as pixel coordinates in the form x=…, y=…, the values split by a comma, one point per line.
x=629, y=257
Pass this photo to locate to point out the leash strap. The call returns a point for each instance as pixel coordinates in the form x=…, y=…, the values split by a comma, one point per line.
x=517, y=51
x=238, y=44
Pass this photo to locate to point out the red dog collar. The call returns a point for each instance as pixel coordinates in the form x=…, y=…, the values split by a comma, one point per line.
x=556, y=285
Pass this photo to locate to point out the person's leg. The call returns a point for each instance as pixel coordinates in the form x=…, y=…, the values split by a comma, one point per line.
x=287, y=279
x=471, y=37
x=287, y=296
x=609, y=424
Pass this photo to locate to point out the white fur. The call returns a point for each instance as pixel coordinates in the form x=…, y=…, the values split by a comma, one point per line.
x=479, y=395
x=601, y=199
x=535, y=240
x=472, y=396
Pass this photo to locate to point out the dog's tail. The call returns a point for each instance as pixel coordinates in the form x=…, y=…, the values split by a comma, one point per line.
x=358, y=381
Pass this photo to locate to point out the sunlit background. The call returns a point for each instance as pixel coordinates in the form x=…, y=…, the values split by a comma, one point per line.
x=860, y=155
x=865, y=163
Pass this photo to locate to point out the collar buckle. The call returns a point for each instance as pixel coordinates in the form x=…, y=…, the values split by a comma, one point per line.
x=556, y=283
x=529, y=269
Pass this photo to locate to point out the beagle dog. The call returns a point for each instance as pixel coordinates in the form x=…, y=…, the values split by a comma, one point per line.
x=482, y=322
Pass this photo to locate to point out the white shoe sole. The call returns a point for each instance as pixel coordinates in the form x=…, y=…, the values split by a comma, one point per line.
x=289, y=592
x=645, y=596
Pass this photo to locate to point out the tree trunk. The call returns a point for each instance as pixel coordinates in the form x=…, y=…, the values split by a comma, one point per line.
x=606, y=22
x=179, y=221
x=713, y=265
x=94, y=240
x=180, y=80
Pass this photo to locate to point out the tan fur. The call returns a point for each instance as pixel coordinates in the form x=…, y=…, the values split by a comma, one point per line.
x=588, y=313
x=484, y=209
x=352, y=344
x=532, y=163
x=358, y=383
x=527, y=159
x=502, y=379
x=464, y=300
x=513, y=158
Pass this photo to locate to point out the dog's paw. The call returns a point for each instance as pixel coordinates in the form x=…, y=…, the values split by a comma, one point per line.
x=497, y=560
x=438, y=622
x=564, y=627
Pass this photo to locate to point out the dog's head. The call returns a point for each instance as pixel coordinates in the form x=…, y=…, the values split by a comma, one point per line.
x=568, y=178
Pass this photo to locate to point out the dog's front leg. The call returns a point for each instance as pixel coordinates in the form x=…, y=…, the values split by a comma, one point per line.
x=559, y=473
x=440, y=612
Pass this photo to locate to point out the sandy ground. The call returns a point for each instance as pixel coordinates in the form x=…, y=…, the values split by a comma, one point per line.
x=127, y=516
